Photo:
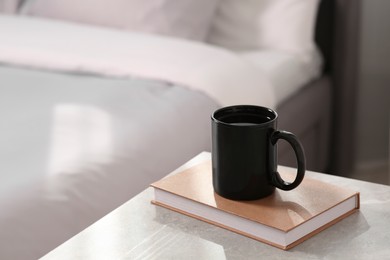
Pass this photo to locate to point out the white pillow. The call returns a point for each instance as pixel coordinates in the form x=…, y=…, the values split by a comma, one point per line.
x=9, y=6
x=181, y=18
x=274, y=24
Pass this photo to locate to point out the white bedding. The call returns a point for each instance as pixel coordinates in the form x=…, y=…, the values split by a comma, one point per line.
x=45, y=213
x=265, y=77
x=75, y=147
x=287, y=72
x=222, y=74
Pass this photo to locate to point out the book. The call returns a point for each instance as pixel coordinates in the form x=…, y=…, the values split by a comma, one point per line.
x=283, y=219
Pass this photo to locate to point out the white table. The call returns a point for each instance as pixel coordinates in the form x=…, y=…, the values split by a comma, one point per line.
x=140, y=230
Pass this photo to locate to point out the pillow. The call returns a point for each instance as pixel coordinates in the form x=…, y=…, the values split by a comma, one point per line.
x=274, y=24
x=181, y=18
x=9, y=6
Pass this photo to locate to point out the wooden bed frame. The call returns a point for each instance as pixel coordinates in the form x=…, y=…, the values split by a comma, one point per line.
x=322, y=115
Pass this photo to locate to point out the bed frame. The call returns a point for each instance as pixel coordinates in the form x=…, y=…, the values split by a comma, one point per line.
x=323, y=114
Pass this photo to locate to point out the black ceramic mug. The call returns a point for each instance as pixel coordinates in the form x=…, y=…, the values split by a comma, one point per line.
x=244, y=153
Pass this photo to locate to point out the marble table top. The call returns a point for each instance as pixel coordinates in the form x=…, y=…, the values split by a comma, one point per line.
x=141, y=230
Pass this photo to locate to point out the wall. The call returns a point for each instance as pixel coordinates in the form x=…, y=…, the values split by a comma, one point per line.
x=374, y=89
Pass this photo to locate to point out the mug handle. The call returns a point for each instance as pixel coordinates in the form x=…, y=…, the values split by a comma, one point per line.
x=276, y=180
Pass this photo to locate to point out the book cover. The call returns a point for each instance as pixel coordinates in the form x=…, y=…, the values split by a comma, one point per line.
x=283, y=219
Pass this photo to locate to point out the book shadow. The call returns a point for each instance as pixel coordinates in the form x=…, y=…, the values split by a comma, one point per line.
x=333, y=238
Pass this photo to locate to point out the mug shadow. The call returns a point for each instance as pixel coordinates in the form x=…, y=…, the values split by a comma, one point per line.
x=287, y=212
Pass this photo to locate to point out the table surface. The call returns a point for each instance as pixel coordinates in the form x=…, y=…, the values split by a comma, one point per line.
x=141, y=230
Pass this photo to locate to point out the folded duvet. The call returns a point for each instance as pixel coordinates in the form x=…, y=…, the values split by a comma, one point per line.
x=222, y=74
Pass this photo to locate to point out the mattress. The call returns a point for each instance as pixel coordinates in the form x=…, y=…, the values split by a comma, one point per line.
x=75, y=147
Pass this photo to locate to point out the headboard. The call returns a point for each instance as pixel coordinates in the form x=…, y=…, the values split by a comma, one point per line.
x=324, y=31
x=337, y=35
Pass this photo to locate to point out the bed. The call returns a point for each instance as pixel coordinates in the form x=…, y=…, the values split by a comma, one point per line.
x=94, y=109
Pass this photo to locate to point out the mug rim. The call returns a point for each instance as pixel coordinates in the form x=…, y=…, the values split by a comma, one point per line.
x=236, y=107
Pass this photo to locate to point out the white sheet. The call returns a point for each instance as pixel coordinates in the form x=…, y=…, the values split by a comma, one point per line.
x=287, y=72
x=45, y=214
x=75, y=147
x=223, y=75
